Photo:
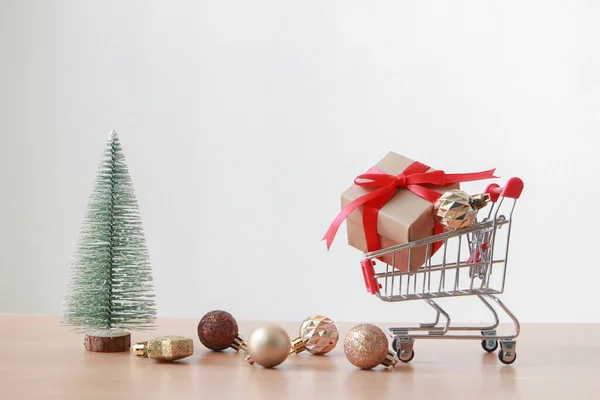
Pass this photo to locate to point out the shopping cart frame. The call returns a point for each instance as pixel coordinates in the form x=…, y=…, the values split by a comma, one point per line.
x=481, y=239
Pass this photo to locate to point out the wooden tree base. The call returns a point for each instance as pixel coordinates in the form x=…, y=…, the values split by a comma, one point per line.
x=108, y=344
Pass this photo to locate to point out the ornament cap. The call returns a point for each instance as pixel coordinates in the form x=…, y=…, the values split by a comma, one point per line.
x=239, y=343
x=298, y=346
x=140, y=349
x=479, y=201
x=390, y=360
x=246, y=358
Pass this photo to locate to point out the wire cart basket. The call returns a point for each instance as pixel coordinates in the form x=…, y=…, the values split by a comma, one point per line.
x=470, y=262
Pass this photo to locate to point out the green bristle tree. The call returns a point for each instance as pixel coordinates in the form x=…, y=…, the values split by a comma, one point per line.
x=111, y=290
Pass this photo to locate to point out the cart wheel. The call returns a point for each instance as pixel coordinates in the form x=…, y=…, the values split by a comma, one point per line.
x=505, y=359
x=406, y=356
x=396, y=344
x=489, y=345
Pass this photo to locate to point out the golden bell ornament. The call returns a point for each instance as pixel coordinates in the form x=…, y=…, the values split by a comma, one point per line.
x=267, y=346
x=165, y=348
x=318, y=335
x=456, y=209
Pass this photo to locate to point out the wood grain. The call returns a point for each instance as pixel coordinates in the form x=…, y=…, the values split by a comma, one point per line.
x=104, y=344
x=41, y=359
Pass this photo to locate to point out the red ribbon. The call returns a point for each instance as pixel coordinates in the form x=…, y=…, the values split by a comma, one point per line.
x=476, y=255
x=386, y=185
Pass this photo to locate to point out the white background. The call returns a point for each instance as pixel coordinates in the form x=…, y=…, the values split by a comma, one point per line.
x=243, y=121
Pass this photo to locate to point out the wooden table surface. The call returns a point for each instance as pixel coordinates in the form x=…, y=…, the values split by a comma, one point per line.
x=42, y=360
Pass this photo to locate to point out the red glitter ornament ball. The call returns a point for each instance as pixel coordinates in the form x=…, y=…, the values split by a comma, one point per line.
x=217, y=330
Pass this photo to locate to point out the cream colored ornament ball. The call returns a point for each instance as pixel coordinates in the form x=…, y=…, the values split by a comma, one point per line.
x=319, y=333
x=454, y=209
x=269, y=345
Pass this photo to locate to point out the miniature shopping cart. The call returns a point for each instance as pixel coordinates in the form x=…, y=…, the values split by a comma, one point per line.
x=470, y=262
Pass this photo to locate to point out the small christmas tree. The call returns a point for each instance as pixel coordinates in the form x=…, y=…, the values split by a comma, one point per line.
x=111, y=288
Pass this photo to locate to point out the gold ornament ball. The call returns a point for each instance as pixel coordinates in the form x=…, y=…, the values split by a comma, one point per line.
x=269, y=345
x=366, y=346
x=319, y=333
x=454, y=210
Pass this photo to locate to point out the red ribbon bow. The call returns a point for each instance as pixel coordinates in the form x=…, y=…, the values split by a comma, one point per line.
x=386, y=185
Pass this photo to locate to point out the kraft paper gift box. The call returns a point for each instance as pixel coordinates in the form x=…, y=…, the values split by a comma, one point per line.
x=404, y=218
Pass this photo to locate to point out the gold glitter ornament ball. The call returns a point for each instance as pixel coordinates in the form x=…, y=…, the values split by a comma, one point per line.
x=319, y=334
x=366, y=346
x=454, y=209
x=269, y=346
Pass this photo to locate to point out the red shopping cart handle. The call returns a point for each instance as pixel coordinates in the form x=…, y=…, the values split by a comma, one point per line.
x=368, y=272
x=512, y=189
